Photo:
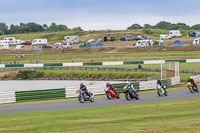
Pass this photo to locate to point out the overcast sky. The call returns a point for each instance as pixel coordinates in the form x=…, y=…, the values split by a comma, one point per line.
x=100, y=14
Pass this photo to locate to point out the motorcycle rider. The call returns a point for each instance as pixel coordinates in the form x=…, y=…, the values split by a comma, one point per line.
x=160, y=85
x=129, y=85
x=192, y=82
x=84, y=89
x=111, y=87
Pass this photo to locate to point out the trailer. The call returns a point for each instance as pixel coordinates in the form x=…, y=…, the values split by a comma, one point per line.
x=40, y=41
x=143, y=43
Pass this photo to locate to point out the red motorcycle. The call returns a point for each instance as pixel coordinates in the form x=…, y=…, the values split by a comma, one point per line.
x=111, y=94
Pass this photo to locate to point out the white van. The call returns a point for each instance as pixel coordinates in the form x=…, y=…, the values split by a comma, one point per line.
x=4, y=46
x=39, y=41
x=196, y=41
x=175, y=33
x=144, y=43
x=71, y=39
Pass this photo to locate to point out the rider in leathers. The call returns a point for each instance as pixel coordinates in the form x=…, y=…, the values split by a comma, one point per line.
x=111, y=87
x=159, y=84
x=192, y=81
x=84, y=89
x=129, y=85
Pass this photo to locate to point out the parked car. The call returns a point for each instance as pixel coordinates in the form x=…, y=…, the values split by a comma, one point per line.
x=19, y=47
x=135, y=39
x=26, y=43
x=46, y=46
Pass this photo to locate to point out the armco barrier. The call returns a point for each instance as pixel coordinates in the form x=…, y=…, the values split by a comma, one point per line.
x=196, y=78
x=7, y=97
x=40, y=95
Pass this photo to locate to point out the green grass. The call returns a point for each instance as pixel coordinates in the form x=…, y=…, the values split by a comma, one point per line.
x=101, y=57
x=159, y=117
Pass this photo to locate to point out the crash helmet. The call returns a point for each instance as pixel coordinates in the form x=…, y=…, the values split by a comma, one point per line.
x=81, y=84
x=107, y=84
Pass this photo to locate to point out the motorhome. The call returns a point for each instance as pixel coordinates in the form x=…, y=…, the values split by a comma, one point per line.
x=71, y=39
x=4, y=46
x=175, y=33
x=143, y=43
x=196, y=41
x=39, y=41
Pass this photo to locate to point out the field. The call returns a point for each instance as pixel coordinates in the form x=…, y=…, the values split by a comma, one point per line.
x=89, y=55
x=159, y=117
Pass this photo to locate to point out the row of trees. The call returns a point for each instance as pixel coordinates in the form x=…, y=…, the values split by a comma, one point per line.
x=33, y=27
x=165, y=25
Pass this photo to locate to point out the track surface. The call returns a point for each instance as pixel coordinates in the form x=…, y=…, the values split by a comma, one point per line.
x=68, y=105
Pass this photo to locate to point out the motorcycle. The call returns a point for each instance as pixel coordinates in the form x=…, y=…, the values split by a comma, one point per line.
x=192, y=88
x=111, y=94
x=82, y=97
x=161, y=91
x=130, y=93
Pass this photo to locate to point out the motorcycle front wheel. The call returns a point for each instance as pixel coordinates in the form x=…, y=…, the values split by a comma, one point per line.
x=191, y=89
x=127, y=96
x=108, y=95
x=159, y=92
x=92, y=99
x=80, y=99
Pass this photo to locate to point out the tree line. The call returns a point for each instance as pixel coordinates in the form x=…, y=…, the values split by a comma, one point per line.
x=33, y=27
x=166, y=26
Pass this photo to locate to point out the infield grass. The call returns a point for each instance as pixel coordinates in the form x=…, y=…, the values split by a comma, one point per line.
x=159, y=117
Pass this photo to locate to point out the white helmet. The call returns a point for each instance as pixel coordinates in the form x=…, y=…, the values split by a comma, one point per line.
x=127, y=82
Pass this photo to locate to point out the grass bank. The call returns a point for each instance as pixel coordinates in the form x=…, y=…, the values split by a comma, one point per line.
x=159, y=117
x=85, y=75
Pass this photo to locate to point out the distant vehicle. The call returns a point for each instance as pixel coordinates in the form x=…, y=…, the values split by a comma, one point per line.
x=5, y=46
x=44, y=46
x=175, y=33
x=194, y=34
x=58, y=45
x=165, y=36
x=19, y=47
x=26, y=43
x=91, y=41
x=9, y=38
x=71, y=39
x=196, y=41
x=67, y=45
x=134, y=39
x=143, y=43
x=143, y=37
x=109, y=37
x=39, y=41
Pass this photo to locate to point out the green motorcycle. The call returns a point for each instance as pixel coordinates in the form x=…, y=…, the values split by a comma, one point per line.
x=162, y=91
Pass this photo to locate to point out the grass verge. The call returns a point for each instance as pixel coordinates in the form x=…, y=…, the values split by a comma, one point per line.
x=159, y=117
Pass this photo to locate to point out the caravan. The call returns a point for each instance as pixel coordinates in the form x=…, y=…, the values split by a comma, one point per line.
x=143, y=43
x=39, y=41
x=71, y=39
x=175, y=33
x=13, y=41
x=196, y=41
x=4, y=46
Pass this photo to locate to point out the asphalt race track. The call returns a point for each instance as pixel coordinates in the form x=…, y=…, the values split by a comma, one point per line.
x=68, y=105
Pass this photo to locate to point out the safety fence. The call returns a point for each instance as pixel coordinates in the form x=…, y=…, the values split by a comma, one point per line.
x=196, y=78
x=95, y=63
x=69, y=92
